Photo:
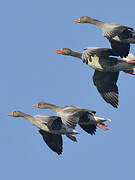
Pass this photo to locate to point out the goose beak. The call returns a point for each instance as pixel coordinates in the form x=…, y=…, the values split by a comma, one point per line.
x=35, y=105
x=77, y=21
x=11, y=114
x=59, y=51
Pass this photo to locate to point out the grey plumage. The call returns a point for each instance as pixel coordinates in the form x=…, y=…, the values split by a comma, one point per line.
x=85, y=118
x=52, y=122
x=119, y=36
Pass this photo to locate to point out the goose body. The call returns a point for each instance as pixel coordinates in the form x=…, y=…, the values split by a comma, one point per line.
x=101, y=60
x=107, y=69
x=118, y=35
x=87, y=119
x=50, y=127
x=54, y=124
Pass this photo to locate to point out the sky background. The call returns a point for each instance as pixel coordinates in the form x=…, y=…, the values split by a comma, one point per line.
x=31, y=71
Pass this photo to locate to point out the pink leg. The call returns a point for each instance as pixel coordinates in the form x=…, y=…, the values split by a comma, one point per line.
x=71, y=137
x=130, y=72
x=130, y=61
x=102, y=126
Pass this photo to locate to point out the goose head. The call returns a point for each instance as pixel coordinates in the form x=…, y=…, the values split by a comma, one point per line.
x=83, y=19
x=41, y=105
x=15, y=114
x=64, y=51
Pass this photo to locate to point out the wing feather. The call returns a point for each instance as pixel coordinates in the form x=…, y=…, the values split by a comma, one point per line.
x=52, y=122
x=106, y=85
x=53, y=141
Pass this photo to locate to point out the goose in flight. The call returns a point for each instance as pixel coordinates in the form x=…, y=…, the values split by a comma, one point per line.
x=87, y=119
x=51, y=128
x=106, y=67
x=118, y=35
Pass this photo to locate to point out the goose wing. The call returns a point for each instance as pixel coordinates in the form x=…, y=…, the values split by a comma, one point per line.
x=53, y=141
x=98, y=51
x=92, y=111
x=119, y=48
x=90, y=128
x=52, y=122
x=70, y=120
x=117, y=30
x=106, y=85
x=123, y=32
x=85, y=121
x=68, y=117
x=71, y=115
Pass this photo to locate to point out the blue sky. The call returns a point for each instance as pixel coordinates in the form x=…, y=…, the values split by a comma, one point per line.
x=31, y=71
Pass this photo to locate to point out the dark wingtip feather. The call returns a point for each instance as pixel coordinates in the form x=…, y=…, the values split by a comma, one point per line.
x=90, y=128
x=53, y=141
x=107, y=87
x=111, y=98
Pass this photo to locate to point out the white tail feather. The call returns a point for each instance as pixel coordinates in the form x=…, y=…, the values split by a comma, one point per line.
x=100, y=119
x=109, y=120
x=130, y=56
x=75, y=132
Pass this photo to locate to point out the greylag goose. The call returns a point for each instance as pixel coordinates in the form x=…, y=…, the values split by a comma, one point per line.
x=106, y=69
x=87, y=119
x=50, y=127
x=118, y=35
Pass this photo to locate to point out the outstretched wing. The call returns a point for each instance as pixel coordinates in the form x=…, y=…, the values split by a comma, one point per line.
x=70, y=121
x=68, y=117
x=85, y=121
x=98, y=51
x=106, y=85
x=117, y=30
x=53, y=141
x=123, y=32
x=71, y=115
x=119, y=48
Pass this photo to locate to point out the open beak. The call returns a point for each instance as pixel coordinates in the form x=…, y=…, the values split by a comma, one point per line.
x=10, y=114
x=77, y=21
x=59, y=51
x=35, y=105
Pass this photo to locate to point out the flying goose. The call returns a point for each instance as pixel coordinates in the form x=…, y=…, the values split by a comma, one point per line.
x=50, y=127
x=87, y=119
x=106, y=69
x=118, y=35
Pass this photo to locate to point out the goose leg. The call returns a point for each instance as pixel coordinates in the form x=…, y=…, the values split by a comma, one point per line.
x=130, y=72
x=71, y=137
x=102, y=126
x=130, y=61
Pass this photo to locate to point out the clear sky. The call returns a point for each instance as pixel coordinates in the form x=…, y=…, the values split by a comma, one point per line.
x=31, y=71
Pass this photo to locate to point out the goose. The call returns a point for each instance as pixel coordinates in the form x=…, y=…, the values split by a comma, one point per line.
x=118, y=35
x=50, y=127
x=87, y=119
x=106, y=69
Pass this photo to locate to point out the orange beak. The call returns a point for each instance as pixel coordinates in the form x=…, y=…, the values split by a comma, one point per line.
x=59, y=51
x=77, y=21
x=35, y=105
x=11, y=114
